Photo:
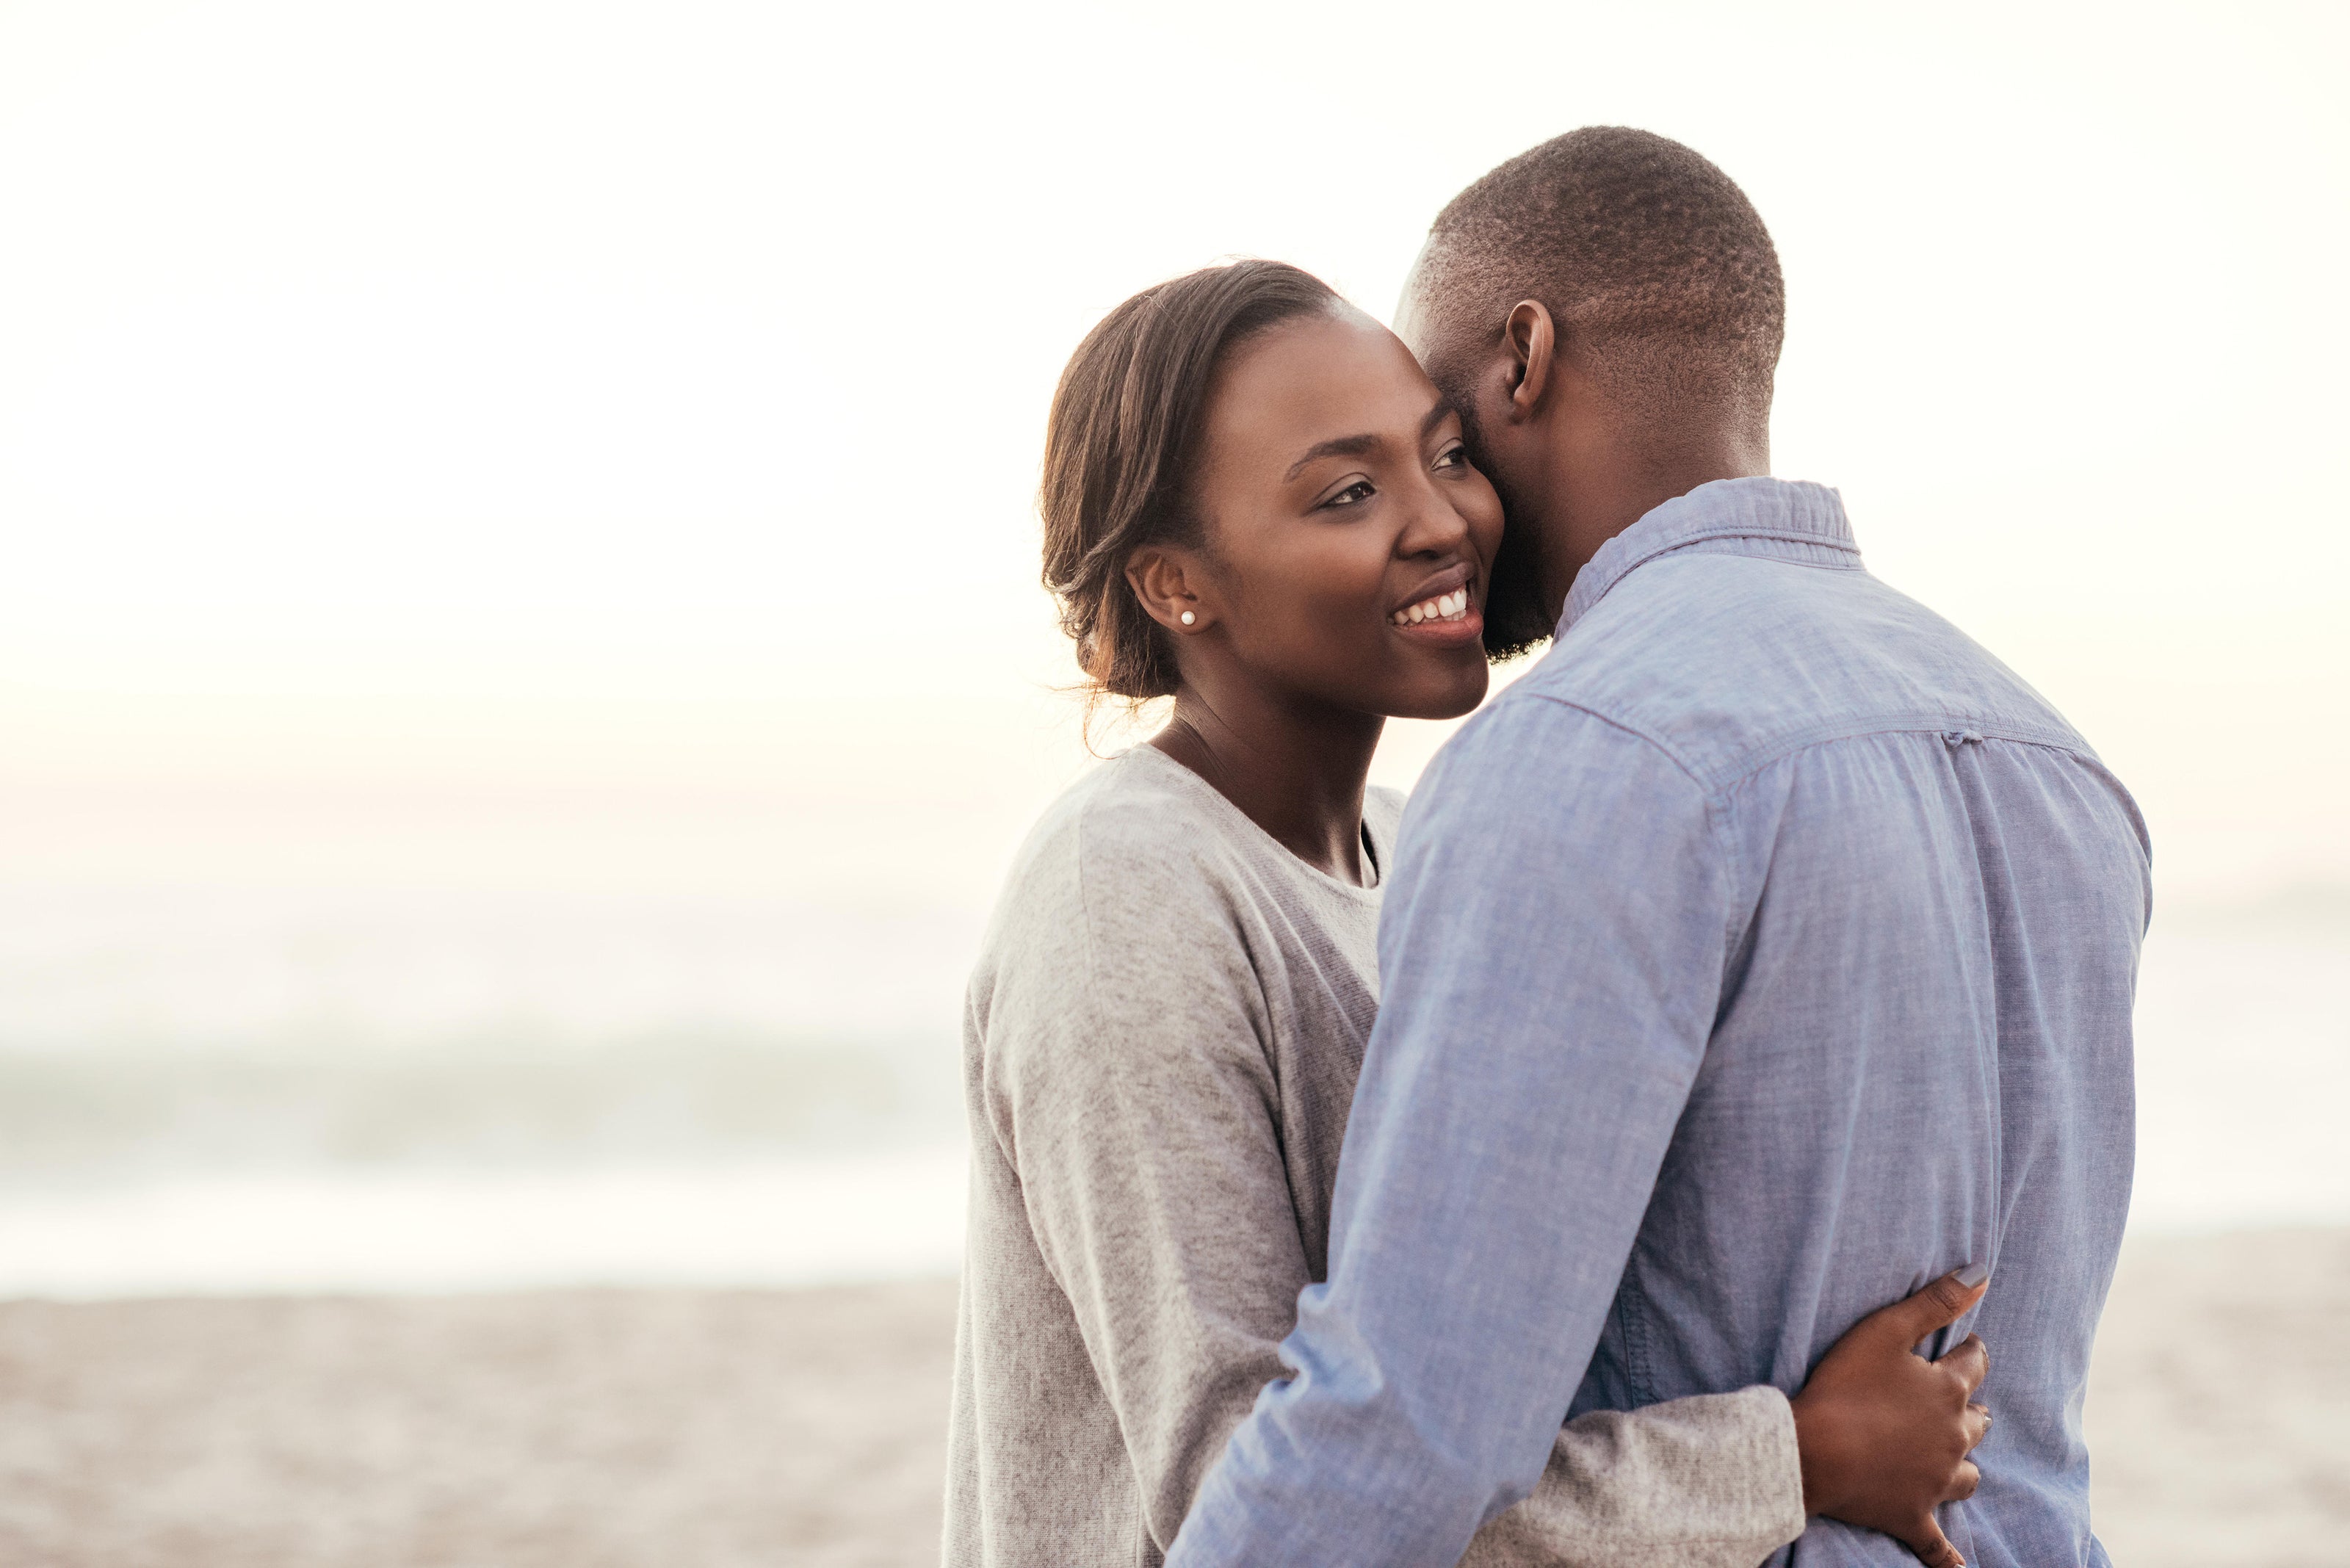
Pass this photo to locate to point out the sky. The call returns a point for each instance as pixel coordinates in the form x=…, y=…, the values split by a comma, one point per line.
x=592, y=446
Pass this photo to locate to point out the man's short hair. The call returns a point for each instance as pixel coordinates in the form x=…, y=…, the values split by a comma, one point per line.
x=1654, y=264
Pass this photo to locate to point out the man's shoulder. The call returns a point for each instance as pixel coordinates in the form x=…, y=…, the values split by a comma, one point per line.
x=1728, y=660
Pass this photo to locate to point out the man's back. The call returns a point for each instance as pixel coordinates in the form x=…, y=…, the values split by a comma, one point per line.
x=1922, y=1050
x=1766, y=952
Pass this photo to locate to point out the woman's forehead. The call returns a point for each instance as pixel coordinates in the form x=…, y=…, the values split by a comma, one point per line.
x=1318, y=378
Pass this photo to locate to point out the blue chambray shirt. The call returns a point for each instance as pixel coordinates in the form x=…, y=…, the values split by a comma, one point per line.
x=1765, y=953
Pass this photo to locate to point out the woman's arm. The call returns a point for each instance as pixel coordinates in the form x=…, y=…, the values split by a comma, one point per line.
x=1877, y=1437
x=1711, y=1481
x=1131, y=1092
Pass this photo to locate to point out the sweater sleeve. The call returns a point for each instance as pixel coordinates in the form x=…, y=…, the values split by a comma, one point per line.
x=1133, y=1095
x=1708, y=1481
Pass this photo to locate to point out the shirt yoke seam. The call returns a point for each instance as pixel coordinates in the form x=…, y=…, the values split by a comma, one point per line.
x=1719, y=782
x=1904, y=725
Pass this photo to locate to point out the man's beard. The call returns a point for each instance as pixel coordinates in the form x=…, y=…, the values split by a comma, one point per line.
x=1515, y=621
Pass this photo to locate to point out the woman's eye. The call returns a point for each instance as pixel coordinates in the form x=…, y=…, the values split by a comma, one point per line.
x=1353, y=496
x=1453, y=457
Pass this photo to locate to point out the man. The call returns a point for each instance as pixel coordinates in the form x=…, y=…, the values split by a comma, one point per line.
x=1765, y=953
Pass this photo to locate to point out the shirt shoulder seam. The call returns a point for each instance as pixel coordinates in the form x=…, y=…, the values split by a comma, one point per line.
x=1632, y=729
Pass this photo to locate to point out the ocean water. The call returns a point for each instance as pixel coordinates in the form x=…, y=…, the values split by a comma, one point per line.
x=216, y=1092
x=2243, y=1058
x=222, y=1092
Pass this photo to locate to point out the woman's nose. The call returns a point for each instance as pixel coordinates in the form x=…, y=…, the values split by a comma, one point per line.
x=1434, y=527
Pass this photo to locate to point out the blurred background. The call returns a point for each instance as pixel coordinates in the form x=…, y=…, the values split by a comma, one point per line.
x=522, y=667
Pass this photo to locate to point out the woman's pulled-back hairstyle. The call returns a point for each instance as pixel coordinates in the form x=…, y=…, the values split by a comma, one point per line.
x=1121, y=444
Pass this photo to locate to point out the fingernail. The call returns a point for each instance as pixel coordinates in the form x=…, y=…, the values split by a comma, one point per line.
x=1974, y=1274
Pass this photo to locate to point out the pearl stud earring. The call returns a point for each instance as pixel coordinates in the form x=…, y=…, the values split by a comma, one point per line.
x=1188, y=618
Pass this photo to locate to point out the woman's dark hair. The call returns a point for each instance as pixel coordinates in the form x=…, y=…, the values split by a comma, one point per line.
x=1120, y=447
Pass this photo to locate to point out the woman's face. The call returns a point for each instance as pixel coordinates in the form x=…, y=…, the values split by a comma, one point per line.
x=1348, y=537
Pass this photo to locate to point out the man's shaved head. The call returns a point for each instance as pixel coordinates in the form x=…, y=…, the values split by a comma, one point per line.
x=1656, y=267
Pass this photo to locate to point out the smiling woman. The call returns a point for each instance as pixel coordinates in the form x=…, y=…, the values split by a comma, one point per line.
x=1256, y=504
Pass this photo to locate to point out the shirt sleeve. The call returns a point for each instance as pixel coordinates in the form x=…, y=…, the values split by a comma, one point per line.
x=1552, y=951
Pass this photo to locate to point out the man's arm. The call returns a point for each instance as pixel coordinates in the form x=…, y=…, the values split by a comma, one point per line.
x=1551, y=949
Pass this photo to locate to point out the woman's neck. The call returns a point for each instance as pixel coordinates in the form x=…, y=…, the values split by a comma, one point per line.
x=1297, y=770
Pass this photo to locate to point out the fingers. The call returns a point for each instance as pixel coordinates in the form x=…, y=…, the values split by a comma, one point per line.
x=1970, y=1361
x=1933, y=1547
x=1975, y=1423
x=1963, y=1482
x=1937, y=1305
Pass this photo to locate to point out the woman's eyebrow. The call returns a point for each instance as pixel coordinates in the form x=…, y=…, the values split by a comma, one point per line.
x=1356, y=445
x=1341, y=446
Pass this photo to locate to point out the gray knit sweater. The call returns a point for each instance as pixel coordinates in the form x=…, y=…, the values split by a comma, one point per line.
x=1159, y=1049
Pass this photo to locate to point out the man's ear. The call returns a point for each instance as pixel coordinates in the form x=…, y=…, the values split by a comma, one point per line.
x=1530, y=339
x=1169, y=584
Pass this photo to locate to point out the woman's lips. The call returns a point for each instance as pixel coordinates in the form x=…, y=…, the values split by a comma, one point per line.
x=1460, y=575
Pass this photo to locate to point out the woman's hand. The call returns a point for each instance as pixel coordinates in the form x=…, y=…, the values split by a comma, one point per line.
x=1884, y=1434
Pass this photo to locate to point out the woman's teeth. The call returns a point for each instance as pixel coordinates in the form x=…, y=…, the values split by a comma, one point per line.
x=1444, y=607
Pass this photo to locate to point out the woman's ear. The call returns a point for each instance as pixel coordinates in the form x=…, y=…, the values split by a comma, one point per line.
x=1169, y=585
x=1531, y=338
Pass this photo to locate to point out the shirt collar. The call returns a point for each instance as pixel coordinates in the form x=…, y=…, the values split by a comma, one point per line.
x=1758, y=508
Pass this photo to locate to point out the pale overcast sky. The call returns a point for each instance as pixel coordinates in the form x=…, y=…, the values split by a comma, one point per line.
x=363, y=368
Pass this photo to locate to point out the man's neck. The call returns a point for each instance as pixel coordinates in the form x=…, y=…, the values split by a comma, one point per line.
x=1295, y=770
x=1602, y=493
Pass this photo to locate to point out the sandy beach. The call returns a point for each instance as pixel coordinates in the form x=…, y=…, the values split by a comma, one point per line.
x=675, y=1429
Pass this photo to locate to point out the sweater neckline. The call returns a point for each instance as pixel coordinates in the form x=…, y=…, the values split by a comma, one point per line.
x=1377, y=853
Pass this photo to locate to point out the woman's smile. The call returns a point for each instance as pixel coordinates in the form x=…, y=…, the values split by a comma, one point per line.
x=1442, y=609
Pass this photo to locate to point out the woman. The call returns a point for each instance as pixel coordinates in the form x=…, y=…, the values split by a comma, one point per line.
x=1256, y=504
